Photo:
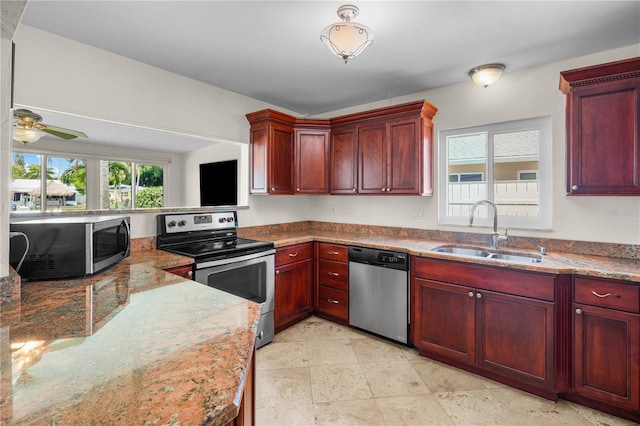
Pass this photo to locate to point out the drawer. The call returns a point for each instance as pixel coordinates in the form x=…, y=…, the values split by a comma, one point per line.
x=333, y=274
x=333, y=302
x=336, y=252
x=607, y=294
x=294, y=253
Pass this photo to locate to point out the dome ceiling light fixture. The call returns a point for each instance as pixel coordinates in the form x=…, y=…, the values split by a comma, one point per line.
x=347, y=39
x=485, y=75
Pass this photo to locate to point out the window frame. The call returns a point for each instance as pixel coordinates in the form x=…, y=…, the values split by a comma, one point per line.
x=93, y=172
x=545, y=170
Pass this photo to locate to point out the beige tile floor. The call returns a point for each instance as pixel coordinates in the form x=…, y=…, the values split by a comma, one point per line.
x=321, y=373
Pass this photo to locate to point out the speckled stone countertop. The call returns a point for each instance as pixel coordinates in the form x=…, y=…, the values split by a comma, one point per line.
x=555, y=262
x=131, y=345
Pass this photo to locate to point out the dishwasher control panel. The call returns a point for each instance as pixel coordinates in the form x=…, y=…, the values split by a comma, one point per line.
x=377, y=257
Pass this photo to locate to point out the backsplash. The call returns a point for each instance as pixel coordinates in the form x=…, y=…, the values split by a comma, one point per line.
x=623, y=251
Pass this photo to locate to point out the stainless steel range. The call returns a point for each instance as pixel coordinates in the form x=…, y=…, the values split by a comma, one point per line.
x=223, y=261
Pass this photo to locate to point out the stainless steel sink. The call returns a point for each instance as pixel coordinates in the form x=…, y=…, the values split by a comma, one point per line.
x=478, y=252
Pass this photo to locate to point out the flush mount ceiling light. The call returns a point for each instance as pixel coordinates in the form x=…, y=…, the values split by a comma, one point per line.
x=347, y=39
x=485, y=75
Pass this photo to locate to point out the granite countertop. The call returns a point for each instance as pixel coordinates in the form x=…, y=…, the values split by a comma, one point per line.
x=554, y=262
x=131, y=345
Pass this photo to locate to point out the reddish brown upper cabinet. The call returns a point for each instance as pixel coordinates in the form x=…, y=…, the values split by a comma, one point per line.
x=603, y=121
x=344, y=160
x=272, y=152
x=312, y=160
x=382, y=151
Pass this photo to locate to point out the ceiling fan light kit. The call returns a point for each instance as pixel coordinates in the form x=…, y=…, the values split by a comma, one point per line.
x=486, y=75
x=347, y=39
x=27, y=127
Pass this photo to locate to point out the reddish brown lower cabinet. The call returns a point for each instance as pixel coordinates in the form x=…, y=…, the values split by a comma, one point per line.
x=293, y=297
x=507, y=325
x=247, y=410
x=606, y=357
x=332, y=282
x=185, y=271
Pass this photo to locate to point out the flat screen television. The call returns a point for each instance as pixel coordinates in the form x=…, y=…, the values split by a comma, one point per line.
x=219, y=183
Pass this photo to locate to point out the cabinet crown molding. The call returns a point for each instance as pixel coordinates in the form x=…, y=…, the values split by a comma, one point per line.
x=618, y=70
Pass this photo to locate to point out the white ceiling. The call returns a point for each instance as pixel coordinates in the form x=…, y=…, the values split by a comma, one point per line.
x=271, y=50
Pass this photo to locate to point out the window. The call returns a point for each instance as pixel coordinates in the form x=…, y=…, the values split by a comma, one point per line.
x=83, y=183
x=507, y=163
x=64, y=183
x=119, y=191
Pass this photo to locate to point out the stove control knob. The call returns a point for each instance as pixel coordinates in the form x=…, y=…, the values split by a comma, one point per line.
x=171, y=224
x=221, y=220
x=182, y=223
x=230, y=219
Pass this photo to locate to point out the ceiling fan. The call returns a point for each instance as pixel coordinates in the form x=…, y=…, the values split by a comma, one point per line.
x=27, y=127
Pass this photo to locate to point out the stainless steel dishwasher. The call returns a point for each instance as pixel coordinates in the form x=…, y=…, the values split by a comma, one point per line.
x=378, y=292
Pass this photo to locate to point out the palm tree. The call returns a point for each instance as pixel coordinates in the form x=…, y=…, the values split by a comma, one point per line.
x=33, y=172
x=118, y=174
x=76, y=174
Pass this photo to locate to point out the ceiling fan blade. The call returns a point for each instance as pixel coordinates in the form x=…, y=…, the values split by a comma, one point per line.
x=61, y=132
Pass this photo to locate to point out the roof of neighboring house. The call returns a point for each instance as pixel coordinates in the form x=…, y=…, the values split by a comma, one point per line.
x=473, y=147
x=31, y=185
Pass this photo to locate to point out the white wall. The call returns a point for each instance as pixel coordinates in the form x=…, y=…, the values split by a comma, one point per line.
x=107, y=86
x=523, y=94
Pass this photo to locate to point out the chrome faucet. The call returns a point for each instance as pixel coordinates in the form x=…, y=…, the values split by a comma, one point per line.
x=495, y=236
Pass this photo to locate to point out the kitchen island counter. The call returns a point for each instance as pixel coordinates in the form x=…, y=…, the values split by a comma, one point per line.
x=131, y=345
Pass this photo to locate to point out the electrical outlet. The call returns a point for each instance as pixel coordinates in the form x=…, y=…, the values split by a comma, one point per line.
x=417, y=213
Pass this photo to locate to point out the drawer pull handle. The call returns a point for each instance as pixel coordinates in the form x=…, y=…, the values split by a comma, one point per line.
x=333, y=301
x=334, y=274
x=294, y=254
x=602, y=296
x=334, y=253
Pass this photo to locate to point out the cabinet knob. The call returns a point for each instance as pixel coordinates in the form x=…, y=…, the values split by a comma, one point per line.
x=574, y=187
x=273, y=189
x=298, y=189
x=470, y=294
x=579, y=311
x=190, y=273
x=277, y=271
x=353, y=190
x=478, y=295
x=335, y=302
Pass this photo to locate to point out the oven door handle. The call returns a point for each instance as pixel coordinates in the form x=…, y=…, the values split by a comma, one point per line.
x=236, y=259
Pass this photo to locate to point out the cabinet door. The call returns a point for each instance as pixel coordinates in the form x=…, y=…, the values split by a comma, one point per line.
x=293, y=293
x=259, y=158
x=404, y=156
x=607, y=355
x=280, y=160
x=515, y=337
x=372, y=178
x=445, y=320
x=603, y=138
x=344, y=161
x=312, y=161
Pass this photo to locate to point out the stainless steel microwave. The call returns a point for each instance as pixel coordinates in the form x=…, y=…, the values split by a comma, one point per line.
x=68, y=247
